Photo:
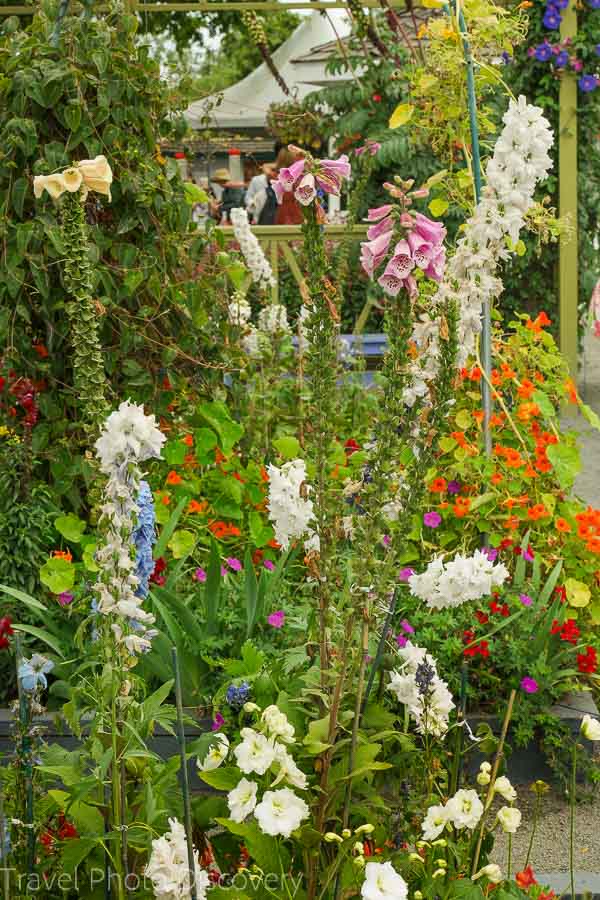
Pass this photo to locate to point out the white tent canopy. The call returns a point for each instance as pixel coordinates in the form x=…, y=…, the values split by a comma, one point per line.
x=246, y=103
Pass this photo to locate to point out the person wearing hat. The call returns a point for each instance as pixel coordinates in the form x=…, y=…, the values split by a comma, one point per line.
x=232, y=196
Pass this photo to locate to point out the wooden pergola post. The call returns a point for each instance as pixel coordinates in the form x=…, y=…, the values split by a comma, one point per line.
x=568, y=184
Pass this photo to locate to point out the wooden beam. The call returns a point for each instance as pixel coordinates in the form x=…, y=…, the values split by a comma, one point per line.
x=208, y=6
x=568, y=205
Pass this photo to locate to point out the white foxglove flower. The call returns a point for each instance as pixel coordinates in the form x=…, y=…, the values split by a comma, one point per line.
x=216, y=755
x=273, y=319
x=261, y=271
x=462, y=579
x=97, y=175
x=510, y=819
x=465, y=809
x=503, y=787
x=290, y=512
x=278, y=725
x=434, y=822
x=242, y=800
x=382, y=882
x=168, y=867
x=255, y=754
x=281, y=812
x=590, y=728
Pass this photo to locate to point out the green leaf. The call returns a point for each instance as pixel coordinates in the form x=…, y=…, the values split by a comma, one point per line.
x=217, y=416
x=566, y=461
x=174, y=452
x=289, y=447
x=29, y=601
x=88, y=557
x=19, y=192
x=71, y=527
x=212, y=591
x=42, y=635
x=58, y=575
x=266, y=851
x=205, y=440
x=251, y=593
x=545, y=404
x=75, y=851
x=182, y=543
x=167, y=531
x=401, y=115
x=222, y=779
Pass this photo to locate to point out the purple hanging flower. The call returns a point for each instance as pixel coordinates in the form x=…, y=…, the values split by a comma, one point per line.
x=432, y=519
x=491, y=553
x=406, y=626
x=217, y=723
x=401, y=640
x=66, y=598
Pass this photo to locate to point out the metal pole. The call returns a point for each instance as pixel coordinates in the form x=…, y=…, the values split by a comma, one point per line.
x=187, y=809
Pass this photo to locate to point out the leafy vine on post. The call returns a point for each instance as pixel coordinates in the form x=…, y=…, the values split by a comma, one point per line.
x=73, y=186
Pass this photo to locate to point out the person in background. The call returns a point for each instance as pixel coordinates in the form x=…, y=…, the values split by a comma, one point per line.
x=288, y=212
x=202, y=211
x=261, y=201
x=232, y=195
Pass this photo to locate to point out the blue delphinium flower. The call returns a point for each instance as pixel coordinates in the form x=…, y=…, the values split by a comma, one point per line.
x=595, y=4
x=144, y=538
x=236, y=696
x=32, y=672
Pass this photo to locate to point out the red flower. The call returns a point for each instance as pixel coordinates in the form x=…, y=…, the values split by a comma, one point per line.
x=501, y=608
x=526, y=878
x=376, y=98
x=480, y=649
x=588, y=661
x=4, y=643
x=351, y=446
x=6, y=625
x=482, y=617
x=66, y=830
x=47, y=841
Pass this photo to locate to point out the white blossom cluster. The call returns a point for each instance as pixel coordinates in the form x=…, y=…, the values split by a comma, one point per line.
x=168, y=867
x=289, y=511
x=262, y=750
x=464, y=810
x=418, y=686
x=272, y=319
x=252, y=252
x=520, y=161
x=272, y=323
x=239, y=311
x=128, y=438
x=464, y=578
x=382, y=882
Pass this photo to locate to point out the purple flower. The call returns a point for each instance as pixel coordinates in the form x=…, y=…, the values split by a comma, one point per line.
x=234, y=563
x=597, y=48
x=595, y=4
x=491, y=553
x=223, y=571
x=525, y=599
x=330, y=173
x=560, y=4
x=405, y=574
x=562, y=59
x=543, y=52
x=576, y=65
x=432, y=519
x=65, y=598
x=528, y=555
x=529, y=685
x=200, y=575
x=552, y=18
x=386, y=540
x=218, y=722
x=289, y=175
x=588, y=83
x=453, y=487
x=277, y=619
x=268, y=565
x=406, y=626
x=372, y=253
x=401, y=640
x=371, y=147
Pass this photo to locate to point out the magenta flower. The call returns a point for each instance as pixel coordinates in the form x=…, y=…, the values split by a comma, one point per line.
x=373, y=253
x=525, y=599
x=217, y=723
x=200, y=575
x=401, y=640
x=432, y=232
x=454, y=487
x=432, y=519
x=330, y=173
x=277, y=619
x=65, y=598
x=288, y=176
x=223, y=571
x=234, y=563
x=382, y=227
x=306, y=191
x=528, y=555
x=268, y=565
x=405, y=574
x=379, y=212
x=491, y=553
x=386, y=540
x=406, y=626
x=529, y=685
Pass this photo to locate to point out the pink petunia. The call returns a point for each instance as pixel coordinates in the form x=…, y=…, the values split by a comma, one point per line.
x=234, y=563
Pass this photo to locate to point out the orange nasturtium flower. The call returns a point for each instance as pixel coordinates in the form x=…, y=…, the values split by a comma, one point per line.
x=536, y=512
x=461, y=507
x=197, y=506
x=174, y=478
x=188, y=440
x=526, y=389
x=562, y=525
x=438, y=485
x=512, y=523
x=571, y=389
x=63, y=554
x=497, y=478
x=536, y=325
x=593, y=544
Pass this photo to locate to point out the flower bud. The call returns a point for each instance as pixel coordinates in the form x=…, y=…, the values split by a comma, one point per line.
x=441, y=863
x=590, y=728
x=415, y=857
x=331, y=837
x=365, y=829
x=439, y=873
x=346, y=833
x=483, y=778
x=418, y=895
x=359, y=848
x=540, y=787
x=251, y=707
x=485, y=767
x=441, y=842
x=359, y=862
x=492, y=872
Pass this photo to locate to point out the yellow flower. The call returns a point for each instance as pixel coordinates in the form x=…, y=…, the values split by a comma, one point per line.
x=97, y=175
x=54, y=184
x=73, y=179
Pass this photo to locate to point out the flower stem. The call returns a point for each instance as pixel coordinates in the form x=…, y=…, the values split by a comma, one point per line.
x=572, y=800
x=187, y=809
